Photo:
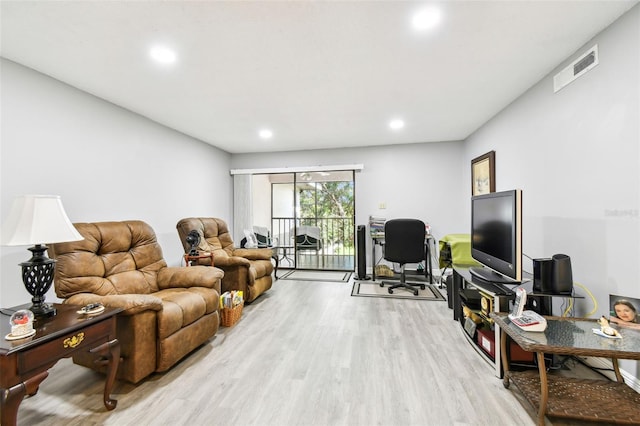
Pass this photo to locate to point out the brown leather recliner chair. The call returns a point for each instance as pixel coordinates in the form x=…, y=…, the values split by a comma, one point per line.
x=168, y=311
x=248, y=270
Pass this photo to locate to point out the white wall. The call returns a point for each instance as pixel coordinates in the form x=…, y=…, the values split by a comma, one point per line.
x=576, y=156
x=106, y=162
x=422, y=180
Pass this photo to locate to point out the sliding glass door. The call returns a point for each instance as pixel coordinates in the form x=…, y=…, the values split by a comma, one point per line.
x=312, y=219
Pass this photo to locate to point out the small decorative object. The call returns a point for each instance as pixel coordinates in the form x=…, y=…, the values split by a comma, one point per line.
x=606, y=330
x=92, y=309
x=483, y=174
x=21, y=325
x=38, y=219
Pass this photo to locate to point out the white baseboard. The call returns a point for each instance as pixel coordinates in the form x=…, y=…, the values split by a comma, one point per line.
x=605, y=367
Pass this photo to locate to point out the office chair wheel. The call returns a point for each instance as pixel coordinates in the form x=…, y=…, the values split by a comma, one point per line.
x=415, y=292
x=381, y=284
x=423, y=287
x=390, y=290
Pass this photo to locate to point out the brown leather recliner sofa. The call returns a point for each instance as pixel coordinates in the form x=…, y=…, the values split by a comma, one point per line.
x=248, y=270
x=167, y=311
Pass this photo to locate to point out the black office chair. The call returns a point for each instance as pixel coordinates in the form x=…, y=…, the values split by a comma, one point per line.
x=404, y=243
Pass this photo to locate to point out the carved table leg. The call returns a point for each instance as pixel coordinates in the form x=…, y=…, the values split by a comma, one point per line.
x=113, y=350
x=544, y=389
x=11, y=398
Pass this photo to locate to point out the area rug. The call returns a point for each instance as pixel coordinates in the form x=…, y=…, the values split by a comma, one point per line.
x=333, y=276
x=373, y=289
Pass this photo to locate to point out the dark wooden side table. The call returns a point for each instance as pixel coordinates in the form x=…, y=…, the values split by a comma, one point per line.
x=189, y=258
x=24, y=363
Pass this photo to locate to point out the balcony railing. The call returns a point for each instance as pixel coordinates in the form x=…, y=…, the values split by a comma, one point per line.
x=336, y=249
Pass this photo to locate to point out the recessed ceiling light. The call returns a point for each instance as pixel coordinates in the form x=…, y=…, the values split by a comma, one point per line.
x=163, y=55
x=426, y=18
x=396, y=124
x=265, y=134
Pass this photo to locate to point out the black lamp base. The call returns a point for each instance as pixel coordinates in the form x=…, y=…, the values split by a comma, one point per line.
x=37, y=276
x=43, y=310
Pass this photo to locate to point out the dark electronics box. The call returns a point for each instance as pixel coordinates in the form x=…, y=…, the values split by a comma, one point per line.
x=471, y=297
x=486, y=341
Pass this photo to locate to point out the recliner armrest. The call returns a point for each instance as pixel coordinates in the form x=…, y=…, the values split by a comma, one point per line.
x=192, y=276
x=131, y=303
x=225, y=261
x=254, y=254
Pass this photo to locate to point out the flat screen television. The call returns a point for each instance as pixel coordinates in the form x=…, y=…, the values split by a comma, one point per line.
x=496, y=236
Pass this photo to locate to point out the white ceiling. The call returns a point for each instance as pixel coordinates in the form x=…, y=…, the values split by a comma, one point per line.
x=318, y=74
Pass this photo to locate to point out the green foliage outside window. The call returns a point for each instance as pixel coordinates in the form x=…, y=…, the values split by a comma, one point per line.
x=329, y=205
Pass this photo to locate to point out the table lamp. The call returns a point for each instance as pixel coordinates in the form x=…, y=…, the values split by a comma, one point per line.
x=38, y=219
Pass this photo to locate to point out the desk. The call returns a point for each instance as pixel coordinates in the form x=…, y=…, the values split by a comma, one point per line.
x=378, y=239
x=24, y=363
x=593, y=400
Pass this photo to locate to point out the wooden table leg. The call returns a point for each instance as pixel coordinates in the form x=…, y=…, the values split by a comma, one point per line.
x=544, y=389
x=505, y=358
x=616, y=369
x=112, y=349
x=11, y=398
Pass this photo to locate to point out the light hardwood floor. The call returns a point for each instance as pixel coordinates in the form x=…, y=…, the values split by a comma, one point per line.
x=305, y=353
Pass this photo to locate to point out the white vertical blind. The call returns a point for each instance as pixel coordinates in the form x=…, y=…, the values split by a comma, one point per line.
x=241, y=206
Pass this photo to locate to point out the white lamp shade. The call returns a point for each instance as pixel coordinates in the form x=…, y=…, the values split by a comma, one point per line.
x=38, y=219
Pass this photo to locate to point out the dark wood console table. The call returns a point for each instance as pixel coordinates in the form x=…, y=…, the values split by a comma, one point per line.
x=584, y=399
x=24, y=363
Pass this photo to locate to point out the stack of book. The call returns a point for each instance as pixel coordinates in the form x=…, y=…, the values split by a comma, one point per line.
x=376, y=226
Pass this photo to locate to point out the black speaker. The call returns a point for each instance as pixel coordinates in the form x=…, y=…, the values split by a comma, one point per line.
x=361, y=234
x=540, y=304
x=561, y=276
x=542, y=272
x=449, y=282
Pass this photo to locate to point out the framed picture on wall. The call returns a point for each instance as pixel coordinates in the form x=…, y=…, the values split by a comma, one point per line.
x=483, y=174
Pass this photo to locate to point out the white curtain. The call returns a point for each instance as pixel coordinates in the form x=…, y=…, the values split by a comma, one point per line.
x=242, y=210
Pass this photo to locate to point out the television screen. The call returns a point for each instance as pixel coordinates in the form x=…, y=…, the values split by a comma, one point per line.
x=496, y=235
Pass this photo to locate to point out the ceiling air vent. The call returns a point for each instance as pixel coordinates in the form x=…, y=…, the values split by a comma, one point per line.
x=584, y=63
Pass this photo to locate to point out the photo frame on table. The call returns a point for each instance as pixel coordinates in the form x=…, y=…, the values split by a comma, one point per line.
x=630, y=306
x=483, y=174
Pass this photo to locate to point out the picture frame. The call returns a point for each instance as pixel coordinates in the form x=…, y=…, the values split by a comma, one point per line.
x=632, y=308
x=483, y=174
